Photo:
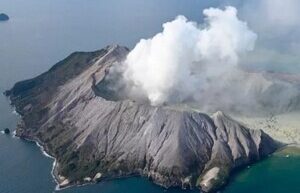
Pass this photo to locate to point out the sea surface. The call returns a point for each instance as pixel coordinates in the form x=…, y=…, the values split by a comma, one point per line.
x=42, y=32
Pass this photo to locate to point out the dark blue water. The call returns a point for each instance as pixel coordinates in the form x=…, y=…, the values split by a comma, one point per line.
x=42, y=32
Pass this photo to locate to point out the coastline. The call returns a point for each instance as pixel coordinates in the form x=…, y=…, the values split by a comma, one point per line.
x=41, y=147
x=45, y=153
x=58, y=186
x=53, y=164
x=288, y=150
x=61, y=182
x=37, y=142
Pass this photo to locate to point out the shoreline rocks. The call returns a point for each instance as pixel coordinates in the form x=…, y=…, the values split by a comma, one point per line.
x=97, y=177
x=64, y=183
x=6, y=131
x=210, y=179
x=87, y=179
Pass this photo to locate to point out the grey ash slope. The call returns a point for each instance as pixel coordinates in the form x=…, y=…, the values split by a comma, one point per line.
x=88, y=134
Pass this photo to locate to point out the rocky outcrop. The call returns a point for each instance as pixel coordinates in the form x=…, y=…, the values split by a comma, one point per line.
x=95, y=138
x=3, y=17
x=6, y=131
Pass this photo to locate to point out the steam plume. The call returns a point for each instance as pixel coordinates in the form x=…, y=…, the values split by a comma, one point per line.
x=199, y=65
x=185, y=59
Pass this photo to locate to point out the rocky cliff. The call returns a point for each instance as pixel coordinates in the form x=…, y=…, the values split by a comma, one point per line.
x=70, y=114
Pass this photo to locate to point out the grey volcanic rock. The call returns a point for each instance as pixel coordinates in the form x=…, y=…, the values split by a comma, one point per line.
x=95, y=138
x=3, y=17
x=6, y=131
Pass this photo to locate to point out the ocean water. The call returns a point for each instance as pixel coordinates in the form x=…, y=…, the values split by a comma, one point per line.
x=42, y=32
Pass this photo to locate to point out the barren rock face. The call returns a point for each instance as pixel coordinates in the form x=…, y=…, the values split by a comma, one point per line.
x=92, y=136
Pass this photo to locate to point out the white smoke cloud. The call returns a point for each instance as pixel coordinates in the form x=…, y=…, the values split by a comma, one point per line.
x=277, y=22
x=202, y=66
x=275, y=16
x=189, y=61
